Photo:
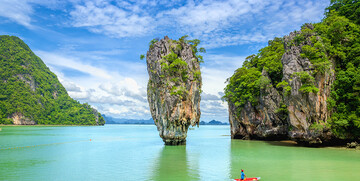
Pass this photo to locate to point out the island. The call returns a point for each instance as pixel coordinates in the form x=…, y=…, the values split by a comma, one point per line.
x=304, y=86
x=174, y=86
x=31, y=94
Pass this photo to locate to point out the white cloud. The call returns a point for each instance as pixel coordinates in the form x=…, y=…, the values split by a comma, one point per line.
x=54, y=59
x=71, y=87
x=17, y=10
x=218, y=68
x=109, y=92
x=214, y=109
x=207, y=16
x=117, y=111
x=205, y=96
x=103, y=17
x=20, y=11
x=216, y=23
x=127, y=87
x=114, y=100
x=236, y=22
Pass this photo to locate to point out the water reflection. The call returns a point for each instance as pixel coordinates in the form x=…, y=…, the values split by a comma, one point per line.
x=172, y=164
x=237, y=161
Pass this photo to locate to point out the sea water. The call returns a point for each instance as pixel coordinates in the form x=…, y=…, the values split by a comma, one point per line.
x=136, y=152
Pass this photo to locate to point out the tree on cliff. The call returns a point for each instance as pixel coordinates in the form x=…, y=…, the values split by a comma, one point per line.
x=331, y=46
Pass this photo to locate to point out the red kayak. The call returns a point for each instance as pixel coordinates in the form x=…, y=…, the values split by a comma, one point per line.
x=248, y=179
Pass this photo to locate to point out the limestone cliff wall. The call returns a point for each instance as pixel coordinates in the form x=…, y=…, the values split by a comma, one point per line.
x=268, y=121
x=305, y=109
x=261, y=121
x=173, y=89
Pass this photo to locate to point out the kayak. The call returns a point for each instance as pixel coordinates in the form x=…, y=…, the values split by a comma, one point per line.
x=248, y=179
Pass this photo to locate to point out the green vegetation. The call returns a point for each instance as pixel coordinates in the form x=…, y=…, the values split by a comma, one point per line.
x=173, y=66
x=334, y=42
x=142, y=56
x=307, y=82
x=243, y=86
x=174, y=70
x=247, y=81
x=282, y=111
x=28, y=87
x=283, y=85
x=341, y=29
x=152, y=42
x=319, y=126
x=269, y=59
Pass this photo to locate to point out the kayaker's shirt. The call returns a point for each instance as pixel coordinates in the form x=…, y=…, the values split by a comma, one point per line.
x=242, y=175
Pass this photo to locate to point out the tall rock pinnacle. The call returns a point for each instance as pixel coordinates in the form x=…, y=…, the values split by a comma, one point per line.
x=174, y=87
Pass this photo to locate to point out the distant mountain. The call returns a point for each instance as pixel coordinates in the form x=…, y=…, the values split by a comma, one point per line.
x=111, y=120
x=213, y=122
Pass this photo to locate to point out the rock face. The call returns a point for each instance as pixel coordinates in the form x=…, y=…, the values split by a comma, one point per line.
x=288, y=115
x=305, y=108
x=173, y=89
x=259, y=122
x=20, y=119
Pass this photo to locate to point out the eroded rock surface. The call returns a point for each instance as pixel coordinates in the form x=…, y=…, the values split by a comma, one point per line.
x=305, y=108
x=20, y=119
x=288, y=115
x=259, y=122
x=173, y=89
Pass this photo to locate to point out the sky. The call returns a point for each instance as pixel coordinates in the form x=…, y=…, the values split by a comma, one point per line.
x=93, y=46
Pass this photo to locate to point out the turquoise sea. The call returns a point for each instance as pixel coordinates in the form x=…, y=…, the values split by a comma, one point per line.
x=136, y=152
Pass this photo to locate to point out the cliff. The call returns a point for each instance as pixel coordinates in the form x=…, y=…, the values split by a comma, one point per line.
x=301, y=108
x=302, y=87
x=31, y=94
x=174, y=87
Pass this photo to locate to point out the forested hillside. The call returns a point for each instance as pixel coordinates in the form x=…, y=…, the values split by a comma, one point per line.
x=31, y=94
x=306, y=85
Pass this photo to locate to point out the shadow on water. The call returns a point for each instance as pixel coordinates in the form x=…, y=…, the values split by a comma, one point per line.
x=172, y=164
x=286, y=143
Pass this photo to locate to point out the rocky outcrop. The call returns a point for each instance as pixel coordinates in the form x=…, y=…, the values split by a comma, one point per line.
x=352, y=145
x=262, y=121
x=310, y=108
x=20, y=119
x=173, y=89
x=288, y=114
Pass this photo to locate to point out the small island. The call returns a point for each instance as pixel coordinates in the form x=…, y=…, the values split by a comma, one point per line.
x=174, y=86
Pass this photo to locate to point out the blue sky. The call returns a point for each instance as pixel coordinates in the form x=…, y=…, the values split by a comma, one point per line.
x=93, y=46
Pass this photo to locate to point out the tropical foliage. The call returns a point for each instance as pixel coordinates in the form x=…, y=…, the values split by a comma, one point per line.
x=29, y=88
x=333, y=42
x=174, y=70
x=247, y=81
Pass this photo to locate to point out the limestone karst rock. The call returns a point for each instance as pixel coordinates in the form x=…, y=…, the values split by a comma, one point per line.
x=288, y=114
x=174, y=88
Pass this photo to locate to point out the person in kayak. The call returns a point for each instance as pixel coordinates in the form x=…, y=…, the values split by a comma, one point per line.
x=243, y=176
